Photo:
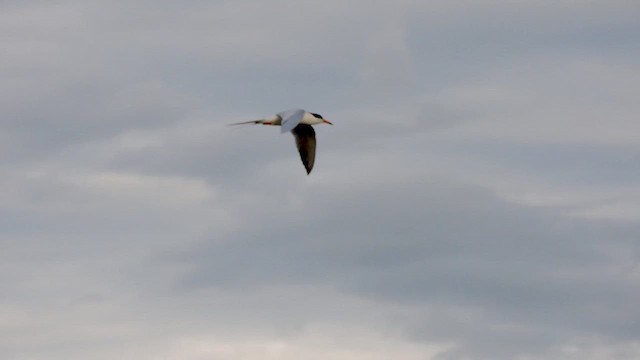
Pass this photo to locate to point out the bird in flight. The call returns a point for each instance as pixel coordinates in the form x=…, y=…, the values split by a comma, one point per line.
x=299, y=122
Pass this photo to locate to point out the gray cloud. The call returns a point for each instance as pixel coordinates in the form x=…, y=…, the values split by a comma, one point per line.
x=475, y=200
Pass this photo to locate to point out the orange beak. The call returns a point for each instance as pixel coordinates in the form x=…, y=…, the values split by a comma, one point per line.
x=327, y=122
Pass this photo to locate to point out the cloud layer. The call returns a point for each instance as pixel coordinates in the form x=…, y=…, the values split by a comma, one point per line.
x=477, y=198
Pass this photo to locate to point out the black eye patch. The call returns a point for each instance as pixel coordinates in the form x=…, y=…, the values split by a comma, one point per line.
x=317, y=115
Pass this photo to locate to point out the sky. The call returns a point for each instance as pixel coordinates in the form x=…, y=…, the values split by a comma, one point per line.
x=478, y=197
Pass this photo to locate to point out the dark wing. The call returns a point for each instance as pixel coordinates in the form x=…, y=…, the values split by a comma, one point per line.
x=306, y=142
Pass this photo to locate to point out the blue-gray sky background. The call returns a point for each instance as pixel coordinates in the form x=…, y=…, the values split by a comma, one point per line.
x=477, y=198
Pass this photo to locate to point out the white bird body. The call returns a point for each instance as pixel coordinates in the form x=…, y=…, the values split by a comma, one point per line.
x=298, y=122
x=307, y=118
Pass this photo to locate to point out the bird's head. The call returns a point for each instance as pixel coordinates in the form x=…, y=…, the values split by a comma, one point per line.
x=318, y=116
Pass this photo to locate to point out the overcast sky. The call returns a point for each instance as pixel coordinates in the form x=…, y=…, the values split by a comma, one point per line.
x=477, y=198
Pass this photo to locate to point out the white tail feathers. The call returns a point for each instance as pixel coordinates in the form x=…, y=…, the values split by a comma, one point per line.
x=246, y=122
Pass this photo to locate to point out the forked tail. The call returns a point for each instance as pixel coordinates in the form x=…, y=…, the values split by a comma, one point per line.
x=246, y=122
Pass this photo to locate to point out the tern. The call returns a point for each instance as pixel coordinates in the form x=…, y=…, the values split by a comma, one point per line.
x=299, y=122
